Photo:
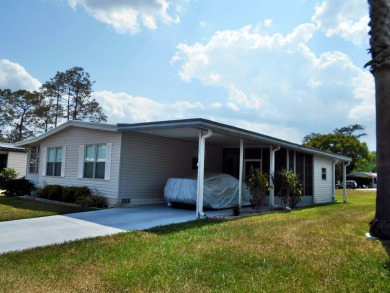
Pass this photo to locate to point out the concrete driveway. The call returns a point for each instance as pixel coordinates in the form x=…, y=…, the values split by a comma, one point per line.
x=28, y=233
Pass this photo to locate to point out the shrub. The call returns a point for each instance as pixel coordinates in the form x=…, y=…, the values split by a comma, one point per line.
x=82, y=192
x=17, y=187
x=97, y=201
x=290, y=189
x=72, y=193
x=259, y=187
x=52, y=192
x=68, y=194
x=6, y=175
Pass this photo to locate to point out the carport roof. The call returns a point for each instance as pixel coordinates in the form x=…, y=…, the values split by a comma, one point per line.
x=223, y=135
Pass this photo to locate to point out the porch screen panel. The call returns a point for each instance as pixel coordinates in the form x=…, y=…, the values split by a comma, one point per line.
x=291, y=160
x=300, y=168
x=308, y=188
x=280, y=159
x=265, y=161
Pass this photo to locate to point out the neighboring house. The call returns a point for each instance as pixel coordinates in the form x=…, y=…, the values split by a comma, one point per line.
x=130, y=163
x=366, y=179
x=13, y=157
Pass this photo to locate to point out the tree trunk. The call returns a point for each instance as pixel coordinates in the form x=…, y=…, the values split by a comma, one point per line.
x=380, y=226
x=380, y=68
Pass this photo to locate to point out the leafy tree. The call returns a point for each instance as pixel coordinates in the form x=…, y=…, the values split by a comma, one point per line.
x=19, y=113
x=350, y=129
x=366, y=165
x=53, y=90
x=67, y=95
x=70, y=94
x=380, y=68
x=342, y=141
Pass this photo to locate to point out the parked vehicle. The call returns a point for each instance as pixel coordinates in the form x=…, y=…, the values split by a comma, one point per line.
x=350, y=184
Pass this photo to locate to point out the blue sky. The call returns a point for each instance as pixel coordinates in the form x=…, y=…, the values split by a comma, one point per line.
x=284, y=68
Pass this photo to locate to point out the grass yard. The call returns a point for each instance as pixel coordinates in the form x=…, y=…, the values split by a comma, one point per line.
x=16, y=208
x=318, y=249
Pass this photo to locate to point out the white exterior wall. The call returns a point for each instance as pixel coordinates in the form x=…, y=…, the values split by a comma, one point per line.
x=18, y=161
x=148, y=161
x=322, y=188
x=72, y=138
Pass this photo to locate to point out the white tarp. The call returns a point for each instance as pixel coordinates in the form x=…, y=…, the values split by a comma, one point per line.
x=220, y=191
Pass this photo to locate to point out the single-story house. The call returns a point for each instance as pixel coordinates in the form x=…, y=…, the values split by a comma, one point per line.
x=130, y=163
x=12, y=156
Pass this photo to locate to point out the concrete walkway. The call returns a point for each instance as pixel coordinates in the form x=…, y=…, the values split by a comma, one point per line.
x=29, y=233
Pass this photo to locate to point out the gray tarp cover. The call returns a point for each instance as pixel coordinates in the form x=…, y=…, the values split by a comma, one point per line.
x=220, y=191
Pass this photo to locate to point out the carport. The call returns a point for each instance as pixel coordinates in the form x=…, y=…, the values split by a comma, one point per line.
x=202, y=132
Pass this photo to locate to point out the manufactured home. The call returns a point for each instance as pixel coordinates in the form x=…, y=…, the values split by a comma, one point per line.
x=130, y=163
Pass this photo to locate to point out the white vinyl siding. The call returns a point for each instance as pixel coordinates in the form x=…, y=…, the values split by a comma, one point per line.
x=18, y=161
x=73, y=138
x=148, y=161
x=322, y=188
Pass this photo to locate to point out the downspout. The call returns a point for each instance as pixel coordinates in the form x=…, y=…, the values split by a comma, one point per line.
x=344, y=181
x=271, y=177
x=334, y=181
x=240, y=179
x=200, y=181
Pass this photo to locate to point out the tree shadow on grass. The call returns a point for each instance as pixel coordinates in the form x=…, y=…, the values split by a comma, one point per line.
x=386, y=246
x=175, y=228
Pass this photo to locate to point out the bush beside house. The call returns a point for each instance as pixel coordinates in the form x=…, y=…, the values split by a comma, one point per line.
x=73, y=194
x=12, y=185
x=290, y=188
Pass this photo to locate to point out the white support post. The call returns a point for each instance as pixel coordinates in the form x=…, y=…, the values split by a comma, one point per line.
x=240, y=177
x=200, y=181
x=345, y=181
x=200, y=165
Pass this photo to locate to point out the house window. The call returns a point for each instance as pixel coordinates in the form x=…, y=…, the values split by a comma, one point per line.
x=34, y=160
x=95, y=161
x=54, y=160
x=323, y=173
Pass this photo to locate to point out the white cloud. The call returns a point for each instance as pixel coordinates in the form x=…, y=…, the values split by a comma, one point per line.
x=13, y=76
x=348, y=19
x=268, y=22
x=123, y=107
x=364, y=92
x=278, y=80
x=129, y=16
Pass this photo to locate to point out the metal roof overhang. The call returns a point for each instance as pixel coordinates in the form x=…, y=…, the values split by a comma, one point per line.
x=223, y=135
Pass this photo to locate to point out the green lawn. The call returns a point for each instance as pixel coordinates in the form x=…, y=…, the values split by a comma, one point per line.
x=319, y=249
x=15, y=208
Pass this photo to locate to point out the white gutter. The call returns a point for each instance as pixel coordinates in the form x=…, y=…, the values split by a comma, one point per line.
x=271, y=176
x=334, y=180
x=200, y=181
x=344, y=181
